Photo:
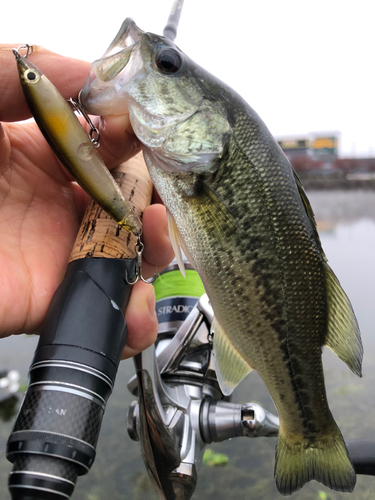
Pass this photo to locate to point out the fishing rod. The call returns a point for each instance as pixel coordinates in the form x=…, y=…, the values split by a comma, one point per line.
x=74, y=367
x=170, y=29
x=75, y=363
x=84, y=333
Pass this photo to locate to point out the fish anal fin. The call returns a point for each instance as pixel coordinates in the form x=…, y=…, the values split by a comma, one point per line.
x=326, y=460
x=230, y=367
x=343, y=336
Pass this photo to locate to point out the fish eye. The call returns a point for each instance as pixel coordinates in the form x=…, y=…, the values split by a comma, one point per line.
x=168, y=61
x=31, y=76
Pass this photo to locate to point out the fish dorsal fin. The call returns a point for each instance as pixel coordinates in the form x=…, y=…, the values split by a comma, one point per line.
x=309, y=212
x=230, y=367
x=176, y=241
x=343, y=335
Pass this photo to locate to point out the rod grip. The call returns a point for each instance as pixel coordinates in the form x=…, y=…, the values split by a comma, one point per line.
x=99, y=235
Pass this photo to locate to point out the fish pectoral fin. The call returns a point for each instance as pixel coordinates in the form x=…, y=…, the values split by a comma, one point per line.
x=203, y=144
x=230, y=366
x=343, y=335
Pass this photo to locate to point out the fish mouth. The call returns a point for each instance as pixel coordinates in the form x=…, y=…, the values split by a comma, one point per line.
x=128, y=35
x=105, y=89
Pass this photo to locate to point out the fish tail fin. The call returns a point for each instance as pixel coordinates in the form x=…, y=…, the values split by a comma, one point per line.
x=326, y=460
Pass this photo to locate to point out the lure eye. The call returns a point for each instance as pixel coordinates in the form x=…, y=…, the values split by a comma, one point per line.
x=168, y=61
x=31, y=76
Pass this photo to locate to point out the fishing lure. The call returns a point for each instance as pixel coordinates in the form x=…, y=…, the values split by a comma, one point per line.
x=71, y=144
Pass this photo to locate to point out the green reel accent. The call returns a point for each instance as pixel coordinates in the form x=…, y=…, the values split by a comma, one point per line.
x=173, y=284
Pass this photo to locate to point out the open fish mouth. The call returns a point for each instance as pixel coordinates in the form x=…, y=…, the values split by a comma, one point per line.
x=105, y=89
x=116, y=86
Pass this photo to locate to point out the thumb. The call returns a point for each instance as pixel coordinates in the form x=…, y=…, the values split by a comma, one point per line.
x=4, y=147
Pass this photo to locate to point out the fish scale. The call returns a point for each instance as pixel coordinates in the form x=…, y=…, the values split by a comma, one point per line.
x=240, y=214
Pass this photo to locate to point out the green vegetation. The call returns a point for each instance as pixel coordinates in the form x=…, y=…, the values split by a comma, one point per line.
x=212, y=459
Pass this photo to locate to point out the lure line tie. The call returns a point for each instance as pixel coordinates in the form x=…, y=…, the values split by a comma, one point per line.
x=29, y=50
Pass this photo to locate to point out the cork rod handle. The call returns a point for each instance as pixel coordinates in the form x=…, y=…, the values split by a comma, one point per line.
x=99, y=235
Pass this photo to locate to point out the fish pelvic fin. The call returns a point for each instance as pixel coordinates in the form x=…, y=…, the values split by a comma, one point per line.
x=230, y=366
x=326, y=461
x=343, y=335
x=176, y=241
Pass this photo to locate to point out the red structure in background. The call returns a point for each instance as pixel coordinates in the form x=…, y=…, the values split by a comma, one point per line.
x=305, y=164
x=354, y=164
x=317, y=154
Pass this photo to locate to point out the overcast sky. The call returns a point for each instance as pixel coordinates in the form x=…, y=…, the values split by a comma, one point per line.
x=304, y=66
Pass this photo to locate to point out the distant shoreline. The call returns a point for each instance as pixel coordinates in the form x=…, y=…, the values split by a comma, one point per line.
x=337, y=184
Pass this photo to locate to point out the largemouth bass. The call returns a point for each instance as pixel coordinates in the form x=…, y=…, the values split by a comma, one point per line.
x=238, y=211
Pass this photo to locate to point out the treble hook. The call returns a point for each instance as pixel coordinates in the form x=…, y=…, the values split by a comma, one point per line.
x=139, y=247
x=94, y=133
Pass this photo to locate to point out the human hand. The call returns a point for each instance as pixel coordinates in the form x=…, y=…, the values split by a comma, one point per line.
x=41, y=208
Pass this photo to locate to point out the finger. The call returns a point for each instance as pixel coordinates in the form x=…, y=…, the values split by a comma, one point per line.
x=158, y=250
x=141, y=320
x=67, y=74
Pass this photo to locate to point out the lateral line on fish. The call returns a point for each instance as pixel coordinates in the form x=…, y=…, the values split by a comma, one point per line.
x=300, y=402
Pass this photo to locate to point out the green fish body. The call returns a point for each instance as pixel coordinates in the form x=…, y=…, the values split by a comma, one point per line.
x=239, y=212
